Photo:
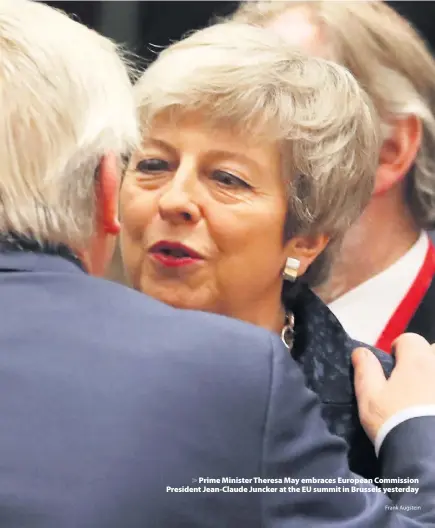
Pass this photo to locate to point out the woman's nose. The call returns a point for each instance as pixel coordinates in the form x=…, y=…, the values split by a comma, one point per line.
x=177, y=202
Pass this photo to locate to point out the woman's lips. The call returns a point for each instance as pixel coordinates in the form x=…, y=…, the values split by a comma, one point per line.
x=174, y=262
x=174, y=255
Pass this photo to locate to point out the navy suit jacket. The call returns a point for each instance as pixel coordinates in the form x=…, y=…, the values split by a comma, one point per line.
x=113, y=407
x=423, y=320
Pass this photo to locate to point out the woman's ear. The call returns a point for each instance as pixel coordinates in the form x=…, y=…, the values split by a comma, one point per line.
x=306, y=249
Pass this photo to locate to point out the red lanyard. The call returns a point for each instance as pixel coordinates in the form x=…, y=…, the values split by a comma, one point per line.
x=402, y=316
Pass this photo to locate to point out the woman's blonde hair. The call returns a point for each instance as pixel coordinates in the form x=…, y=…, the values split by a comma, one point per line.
x=390, y=60
x=323, y=121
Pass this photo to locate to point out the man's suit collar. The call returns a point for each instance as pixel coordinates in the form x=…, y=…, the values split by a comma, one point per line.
x=16, y=260
x=24, y=253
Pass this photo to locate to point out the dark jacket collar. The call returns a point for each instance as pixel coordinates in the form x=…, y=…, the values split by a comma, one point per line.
x=24, y=254
x=422, y=321
x=324, y=349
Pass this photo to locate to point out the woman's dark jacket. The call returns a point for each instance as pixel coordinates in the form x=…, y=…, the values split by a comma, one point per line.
x=323, y=350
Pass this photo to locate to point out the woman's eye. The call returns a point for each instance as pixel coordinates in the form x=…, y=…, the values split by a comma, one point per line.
x=229, y=180
x=152, y=165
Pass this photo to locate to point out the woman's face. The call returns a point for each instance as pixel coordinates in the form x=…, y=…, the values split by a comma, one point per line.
x=202, y=213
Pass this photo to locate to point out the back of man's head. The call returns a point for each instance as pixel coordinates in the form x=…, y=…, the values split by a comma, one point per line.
x=385, y=54
x=65, y=102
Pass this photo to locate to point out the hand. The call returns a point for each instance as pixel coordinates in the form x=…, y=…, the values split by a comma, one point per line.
x=411, y=382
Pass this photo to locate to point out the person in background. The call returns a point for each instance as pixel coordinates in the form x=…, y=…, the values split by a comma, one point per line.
x=235, y=202
x=382, y=281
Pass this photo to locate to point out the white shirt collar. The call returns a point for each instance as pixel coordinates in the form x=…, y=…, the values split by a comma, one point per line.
x=365, y=310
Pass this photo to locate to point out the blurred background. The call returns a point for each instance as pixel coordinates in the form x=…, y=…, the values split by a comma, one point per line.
x=145, y=26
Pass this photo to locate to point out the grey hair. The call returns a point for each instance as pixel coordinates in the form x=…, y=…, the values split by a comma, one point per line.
x=390, y=60
x=323, y=121
x=66, y=100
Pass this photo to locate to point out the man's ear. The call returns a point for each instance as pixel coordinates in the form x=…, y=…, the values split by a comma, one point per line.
x=107, y=195
x=306, y=249
x=398, y=152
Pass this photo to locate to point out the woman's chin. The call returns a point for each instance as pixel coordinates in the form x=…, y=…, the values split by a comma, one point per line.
x=178, y=298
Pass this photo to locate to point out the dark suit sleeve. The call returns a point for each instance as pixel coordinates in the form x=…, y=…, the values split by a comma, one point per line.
x=297, y=445
x=406, y=452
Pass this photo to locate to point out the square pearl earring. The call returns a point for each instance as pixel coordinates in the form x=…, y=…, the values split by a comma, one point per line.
x=291, y=269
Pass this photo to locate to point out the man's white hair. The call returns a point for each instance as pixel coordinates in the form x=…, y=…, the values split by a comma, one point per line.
x=65, y=101
x=314, y=109
x=393, y=64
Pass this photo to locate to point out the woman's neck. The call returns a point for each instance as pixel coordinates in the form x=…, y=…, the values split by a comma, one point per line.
x=269, y=313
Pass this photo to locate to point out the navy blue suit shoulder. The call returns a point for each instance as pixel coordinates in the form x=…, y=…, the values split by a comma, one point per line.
x=108, y=392
x=113, y=406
